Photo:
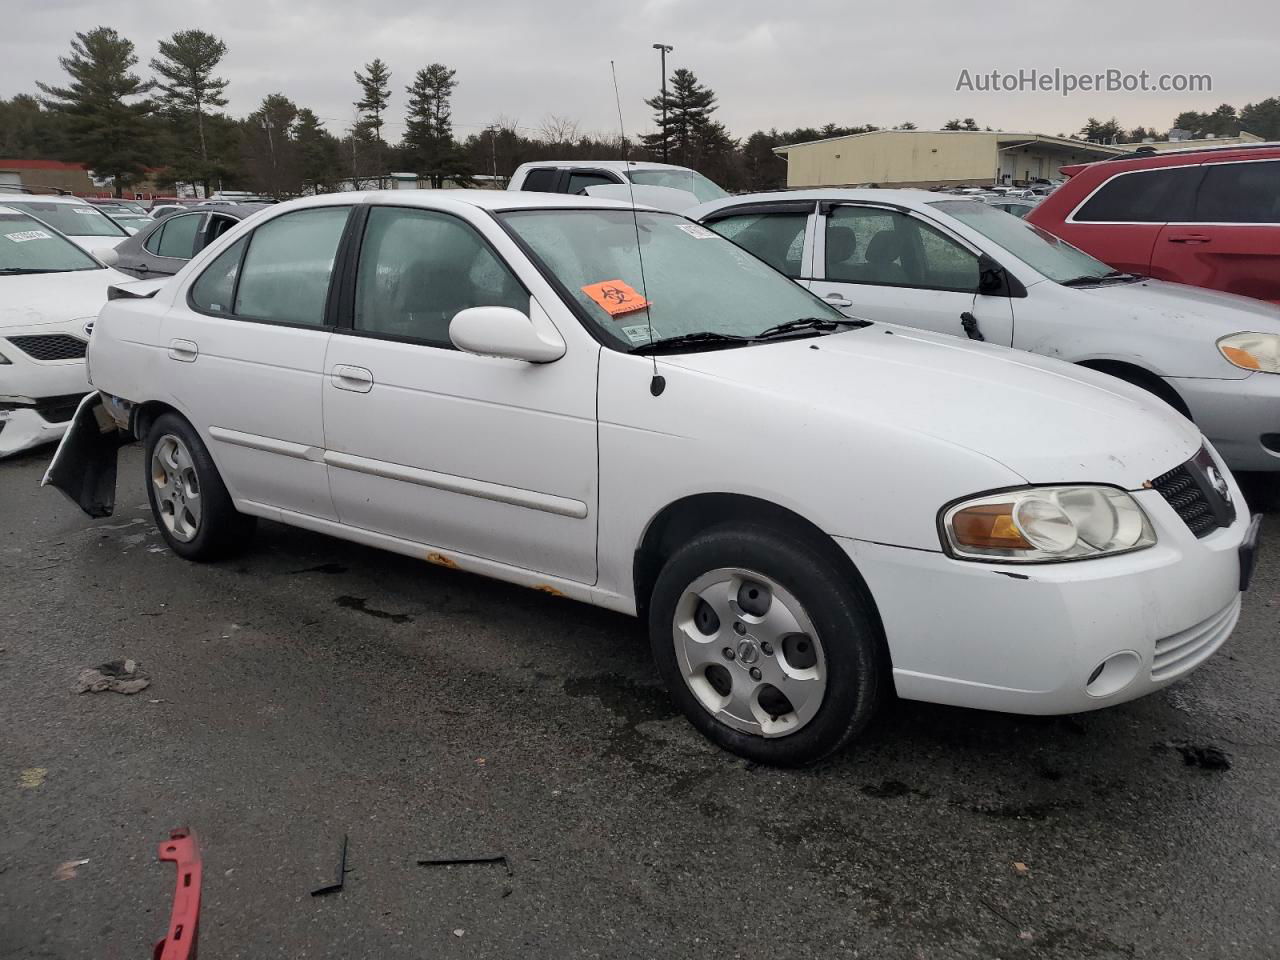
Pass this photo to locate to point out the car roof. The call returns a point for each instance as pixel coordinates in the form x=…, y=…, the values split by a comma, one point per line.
x=1157, y=159
x=237, y=210
x=605, y=164
x=898, y=197
x=494, y=200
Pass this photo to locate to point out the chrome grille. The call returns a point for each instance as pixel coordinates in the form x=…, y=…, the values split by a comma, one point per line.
x=52, y=346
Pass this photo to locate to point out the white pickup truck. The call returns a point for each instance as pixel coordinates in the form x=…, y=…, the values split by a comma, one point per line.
x=660, y=185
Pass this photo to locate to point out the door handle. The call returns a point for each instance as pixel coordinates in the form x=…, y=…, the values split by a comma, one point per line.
x=355, y=379
x=837, y=300
x=183, y=350
x=1189, y=238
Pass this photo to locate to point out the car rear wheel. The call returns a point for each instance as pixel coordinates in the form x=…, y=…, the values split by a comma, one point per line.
x=192, y=508
x=765, y=646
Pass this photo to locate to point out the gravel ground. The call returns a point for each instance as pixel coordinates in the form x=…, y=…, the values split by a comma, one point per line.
x=313, y=689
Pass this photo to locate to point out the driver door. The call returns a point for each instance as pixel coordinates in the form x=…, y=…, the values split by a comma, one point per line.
x=487, y=456
x=884, y=263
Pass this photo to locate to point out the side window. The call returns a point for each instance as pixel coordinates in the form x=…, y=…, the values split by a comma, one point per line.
x=944, y=264
x=1154, y=196
x=776, y=238
x=418, y=268
x=214, y=289
x=218, y=225
x=286, y=272
x=1240, y=193
x=152, y=243
x=578, y=182
x=888, y=248
x=541, y=180
x=178, y=236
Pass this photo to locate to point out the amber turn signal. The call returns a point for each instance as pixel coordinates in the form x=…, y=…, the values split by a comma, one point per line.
x=988, y=525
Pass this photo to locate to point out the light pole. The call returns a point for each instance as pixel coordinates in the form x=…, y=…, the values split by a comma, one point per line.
x=663, y=49
x=493, y=147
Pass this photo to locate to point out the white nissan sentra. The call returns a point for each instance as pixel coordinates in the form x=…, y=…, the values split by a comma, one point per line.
x=810, y=511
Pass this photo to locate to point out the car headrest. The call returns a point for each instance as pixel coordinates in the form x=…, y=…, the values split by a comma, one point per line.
x=842, y=243
x=884, y=248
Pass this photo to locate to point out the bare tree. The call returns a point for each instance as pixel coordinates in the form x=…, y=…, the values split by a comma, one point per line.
x=557, y=129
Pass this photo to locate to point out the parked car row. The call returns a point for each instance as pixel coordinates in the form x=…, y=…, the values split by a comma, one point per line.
x=770, y=434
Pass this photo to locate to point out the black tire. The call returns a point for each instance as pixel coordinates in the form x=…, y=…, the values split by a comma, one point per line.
x=222, y=531
x=856, y=657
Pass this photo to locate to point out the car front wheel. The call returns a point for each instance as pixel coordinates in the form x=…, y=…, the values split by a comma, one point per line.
x=766, y=647
x=192, y=508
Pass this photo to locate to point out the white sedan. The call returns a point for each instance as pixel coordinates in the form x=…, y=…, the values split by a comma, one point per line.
x=959, y=266
x=78, y=219
x=50, y=293
x=808, y=510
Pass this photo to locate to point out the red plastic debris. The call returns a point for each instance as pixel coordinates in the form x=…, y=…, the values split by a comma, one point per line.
x=180, y=943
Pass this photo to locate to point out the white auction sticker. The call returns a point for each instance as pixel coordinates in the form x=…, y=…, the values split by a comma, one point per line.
x=638, y=333
x=697, y=232
x=25, y=235
x=84, y=211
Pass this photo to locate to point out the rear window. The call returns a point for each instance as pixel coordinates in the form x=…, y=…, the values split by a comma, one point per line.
x=1144, y=196
x=1240, y=193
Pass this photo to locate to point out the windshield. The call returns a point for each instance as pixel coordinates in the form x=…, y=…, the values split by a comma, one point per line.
x=687, y=180
x=694, y=279
x=73, y=219
x=1056, y=259
x=28, y=246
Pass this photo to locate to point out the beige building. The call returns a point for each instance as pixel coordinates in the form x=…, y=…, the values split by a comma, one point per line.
x=1160, y=146
x=935, y=158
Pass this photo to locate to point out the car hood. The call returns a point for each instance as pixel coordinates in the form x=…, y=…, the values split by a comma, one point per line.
x=1184, y=304
x=1045, y=420
x=33, y=299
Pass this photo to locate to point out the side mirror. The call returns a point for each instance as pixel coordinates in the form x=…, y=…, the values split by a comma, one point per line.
x=109, y=256
x=504, y=332
x=990, y=277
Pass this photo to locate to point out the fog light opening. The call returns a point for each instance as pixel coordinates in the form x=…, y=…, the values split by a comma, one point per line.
x=1113, y=674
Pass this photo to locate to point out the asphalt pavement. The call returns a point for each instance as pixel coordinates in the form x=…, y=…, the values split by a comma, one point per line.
x=312, y=689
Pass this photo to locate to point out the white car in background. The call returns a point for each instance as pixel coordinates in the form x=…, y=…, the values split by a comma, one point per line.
x=959, y=266
x=662, y=185
x=84, y=223
x=805, y=508
x=50, y=293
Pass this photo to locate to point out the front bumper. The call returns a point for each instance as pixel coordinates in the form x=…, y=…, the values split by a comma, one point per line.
x=1235, y=415
x=37, y=397
x=1028, y=638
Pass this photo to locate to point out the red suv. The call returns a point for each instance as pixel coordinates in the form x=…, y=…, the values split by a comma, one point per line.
x=1208, y=217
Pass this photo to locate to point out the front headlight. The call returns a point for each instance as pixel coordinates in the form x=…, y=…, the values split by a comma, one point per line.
x=1042, y=524
x=1252, y=351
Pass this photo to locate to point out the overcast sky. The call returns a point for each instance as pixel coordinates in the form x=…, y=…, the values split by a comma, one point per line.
x=773, y=64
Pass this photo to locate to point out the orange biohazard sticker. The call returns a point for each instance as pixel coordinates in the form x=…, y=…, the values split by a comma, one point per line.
x=616, y=297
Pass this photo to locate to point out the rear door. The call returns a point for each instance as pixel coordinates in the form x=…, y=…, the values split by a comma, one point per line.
x=1231, y=241
x=246, y=349
x=1120, y=221
x=884, y=263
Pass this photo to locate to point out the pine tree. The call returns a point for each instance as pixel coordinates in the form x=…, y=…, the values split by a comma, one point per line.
x=185, y=65
x=106, y=107
x=375, y=89
x=429, y=127
x=691, y=137
x=317, y=149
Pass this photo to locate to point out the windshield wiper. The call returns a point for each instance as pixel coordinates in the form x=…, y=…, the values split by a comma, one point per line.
x=13, y=271
x=1109, y=277
x=698, y=338
x=809, y=323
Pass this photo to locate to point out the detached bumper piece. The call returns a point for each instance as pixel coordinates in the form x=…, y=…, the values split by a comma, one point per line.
x=184, y=920
x=84, y=467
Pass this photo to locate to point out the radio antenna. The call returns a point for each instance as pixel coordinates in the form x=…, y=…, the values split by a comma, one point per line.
x=658, y=383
